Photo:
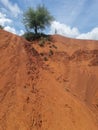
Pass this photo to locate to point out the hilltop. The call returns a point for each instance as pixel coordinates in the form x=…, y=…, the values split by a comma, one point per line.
x=49, y=87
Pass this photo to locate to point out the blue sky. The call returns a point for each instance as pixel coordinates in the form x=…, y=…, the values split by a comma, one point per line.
x=73, y=18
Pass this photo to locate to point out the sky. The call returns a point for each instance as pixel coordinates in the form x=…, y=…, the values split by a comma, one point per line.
x=73, y=18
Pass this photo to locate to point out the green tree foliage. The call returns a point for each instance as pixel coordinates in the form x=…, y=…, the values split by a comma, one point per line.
x=1, y=27
x=37, y=18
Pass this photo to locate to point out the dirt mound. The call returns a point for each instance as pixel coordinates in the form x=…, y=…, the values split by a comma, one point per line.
x=56, y=94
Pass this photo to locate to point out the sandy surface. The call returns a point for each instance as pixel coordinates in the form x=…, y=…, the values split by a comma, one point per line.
x=58, y=94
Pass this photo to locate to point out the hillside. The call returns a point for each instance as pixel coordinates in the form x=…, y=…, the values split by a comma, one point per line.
x=54, y=87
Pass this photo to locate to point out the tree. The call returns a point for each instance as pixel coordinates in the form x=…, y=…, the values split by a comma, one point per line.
x=37, y=18
x=1, y=27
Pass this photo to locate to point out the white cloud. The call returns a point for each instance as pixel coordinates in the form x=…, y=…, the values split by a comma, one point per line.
x=21, y=32
x=66, y=30
x=4, y=19
x=10, y=29
x=93, y=34
x=14, y=8
x=6, y=22
x=13, y=30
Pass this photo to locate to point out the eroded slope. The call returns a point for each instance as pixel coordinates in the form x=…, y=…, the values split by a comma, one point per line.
x=32, y=94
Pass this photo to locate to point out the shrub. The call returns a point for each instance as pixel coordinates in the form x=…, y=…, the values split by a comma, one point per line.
x=43, y=39
x=29, y=36
x=45, y=59
x=54, y=46
x=41, y=42
x=50, y=52
x=42, y=54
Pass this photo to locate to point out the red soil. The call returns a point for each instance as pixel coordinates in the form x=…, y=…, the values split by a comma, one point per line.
x=58, y=94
